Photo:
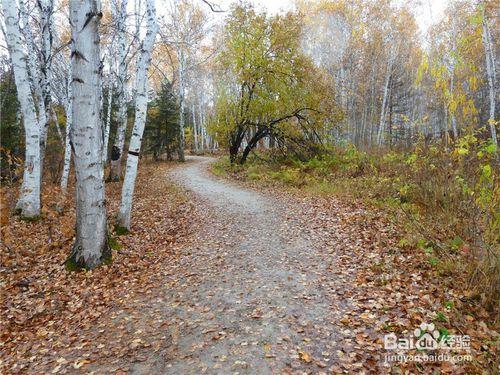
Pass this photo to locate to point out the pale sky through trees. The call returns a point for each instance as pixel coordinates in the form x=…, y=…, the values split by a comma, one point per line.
x=426, y=11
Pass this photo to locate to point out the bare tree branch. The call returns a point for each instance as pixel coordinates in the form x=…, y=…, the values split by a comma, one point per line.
x=214, y=7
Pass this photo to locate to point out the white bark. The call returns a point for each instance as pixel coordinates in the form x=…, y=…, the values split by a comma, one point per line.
x=119, y=142
x=195, y=127
x=55, y=120
x=182, y=83
x=490, y=70
x=202, y=125
x=452, y=81
x=45, y=8
x=69, y=121
x=34, y=73
x=141, y=107
x=381, y=129
x=108, y=119
x=382, y=111
x=90, y=248
x=29, y=200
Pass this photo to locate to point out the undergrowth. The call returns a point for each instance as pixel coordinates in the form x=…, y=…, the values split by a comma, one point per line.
x=446, y=201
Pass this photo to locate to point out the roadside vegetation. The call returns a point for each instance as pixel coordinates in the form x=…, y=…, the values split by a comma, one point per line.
x=445, y=202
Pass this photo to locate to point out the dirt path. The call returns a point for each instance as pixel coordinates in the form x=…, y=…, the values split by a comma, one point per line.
x=220, y=279
x=251, y=298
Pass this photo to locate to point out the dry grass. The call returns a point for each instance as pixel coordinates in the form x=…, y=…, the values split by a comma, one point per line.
x=446, y=202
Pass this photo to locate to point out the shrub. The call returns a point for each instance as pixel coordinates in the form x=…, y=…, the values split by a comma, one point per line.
x=449, y=196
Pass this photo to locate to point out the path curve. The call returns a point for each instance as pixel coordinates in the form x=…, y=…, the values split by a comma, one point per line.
x=251, y=297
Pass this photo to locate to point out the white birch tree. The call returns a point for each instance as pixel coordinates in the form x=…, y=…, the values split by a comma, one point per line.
x=91, y=244
x=383, y=111
x=182, y=101
x=29, y=200
x=107, y=125
x=69, y=121
x=184, y=29
x=195, y=126
x=141, y=106
x=119, y=141
x=490, y=72
x=46, y=8
x=35, y=83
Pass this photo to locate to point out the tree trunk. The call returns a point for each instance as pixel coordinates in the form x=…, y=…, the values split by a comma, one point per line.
x=117, y=149
x=29, y=200
x=34, y=74
x=202, y=125
x=236, y=140
x=195, y=129
x=91, y=244
x=181, y=104
x=141, y=107
x=259, y=134
x=490, y=70
x=45, y=8
x=108, y=120
x=380, y=135
x=69, y=120
x=55, y=120
x=452, y=81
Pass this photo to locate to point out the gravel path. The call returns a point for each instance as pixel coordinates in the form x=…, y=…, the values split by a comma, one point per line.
x=251, y=297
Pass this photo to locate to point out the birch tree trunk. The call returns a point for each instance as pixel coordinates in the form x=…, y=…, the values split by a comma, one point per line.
x=381, y=128
x=46, y=8
x=29, y=200
x=201, y=125
x=181, y=103
x=382, y=111
x=141, y=107
x=91, y=244
x=452, y=114
x=34, y=74
x=108, y=120
x=69, y=123
x=195, y=127
x=55, y=120
x=117, y=149
x=452, y=81
x=490, y=70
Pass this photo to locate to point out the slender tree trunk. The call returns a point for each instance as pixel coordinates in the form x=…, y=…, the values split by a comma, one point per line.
x=202, y=125
x=141, y=107
x=181, y=103
x=34, y=74
x=259, y=134
x=452, y=81
x=91, y=244
x=452, y=114
x=390, y=116
x=372, y=107
x=381, y=128
x=55, y=120
x=490, y=70
x=108, y=121
x=46, y=8
x=69, y=122
x=117, y=149
x=195, y=130
x=29, y=200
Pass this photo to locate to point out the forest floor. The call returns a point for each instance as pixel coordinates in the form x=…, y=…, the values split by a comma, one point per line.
x=216, y=277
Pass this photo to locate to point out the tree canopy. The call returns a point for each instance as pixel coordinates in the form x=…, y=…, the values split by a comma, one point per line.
x=267, y=87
